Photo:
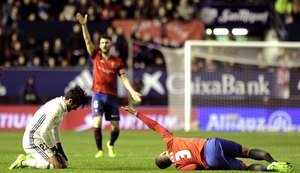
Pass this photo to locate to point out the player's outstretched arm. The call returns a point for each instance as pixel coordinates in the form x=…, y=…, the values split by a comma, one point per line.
x=152, y=124
x=86, y=35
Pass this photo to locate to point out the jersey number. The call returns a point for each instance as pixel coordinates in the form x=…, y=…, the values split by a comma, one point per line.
x=180, y=155
x=43, y=146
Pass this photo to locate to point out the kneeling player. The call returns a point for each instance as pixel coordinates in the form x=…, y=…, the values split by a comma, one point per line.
x=44, y=127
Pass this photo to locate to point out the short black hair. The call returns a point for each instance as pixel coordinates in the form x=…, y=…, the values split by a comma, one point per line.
x=105, y=37
x=163, y=162
x=78, y=96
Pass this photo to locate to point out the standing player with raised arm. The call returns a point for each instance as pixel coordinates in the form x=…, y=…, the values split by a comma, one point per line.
x=207, y=153
x=44, y=128
x=106, y=68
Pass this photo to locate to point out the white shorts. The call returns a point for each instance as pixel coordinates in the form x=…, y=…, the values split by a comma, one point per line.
x=36, y=147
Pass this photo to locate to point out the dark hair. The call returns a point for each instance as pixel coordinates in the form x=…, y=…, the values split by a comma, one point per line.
x=163, y=162
x=105, y=37
x=78, y=96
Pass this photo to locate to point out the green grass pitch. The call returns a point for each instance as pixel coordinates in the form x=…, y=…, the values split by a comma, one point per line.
x=136, y=150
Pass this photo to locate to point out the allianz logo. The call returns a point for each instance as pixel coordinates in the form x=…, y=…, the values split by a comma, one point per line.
x=277, y=121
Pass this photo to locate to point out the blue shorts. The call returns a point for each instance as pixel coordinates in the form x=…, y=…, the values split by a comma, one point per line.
x=106, y=104
x=221, y=154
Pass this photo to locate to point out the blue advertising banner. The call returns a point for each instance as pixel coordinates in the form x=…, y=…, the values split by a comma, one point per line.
x=49, y=83
x=248, y=119
x=157, y=83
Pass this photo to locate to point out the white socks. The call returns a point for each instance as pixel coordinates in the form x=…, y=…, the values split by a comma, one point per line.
x=40, y=164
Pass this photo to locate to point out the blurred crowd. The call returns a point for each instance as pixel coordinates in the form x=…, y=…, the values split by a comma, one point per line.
x=17, y=48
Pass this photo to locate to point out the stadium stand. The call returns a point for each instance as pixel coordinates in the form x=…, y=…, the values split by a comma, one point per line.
x=44, y=34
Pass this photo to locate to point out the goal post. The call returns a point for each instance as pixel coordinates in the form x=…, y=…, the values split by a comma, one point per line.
x=187, y=86
x=253, y=58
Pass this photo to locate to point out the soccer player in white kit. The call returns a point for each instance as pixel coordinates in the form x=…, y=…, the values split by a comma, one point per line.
x=44, y=128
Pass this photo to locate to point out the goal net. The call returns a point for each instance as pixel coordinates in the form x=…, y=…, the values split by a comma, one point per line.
x=233, y=86
x=236, y=84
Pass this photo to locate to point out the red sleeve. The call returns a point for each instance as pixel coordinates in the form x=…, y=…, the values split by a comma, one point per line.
x=189, y=167
x=153, y=125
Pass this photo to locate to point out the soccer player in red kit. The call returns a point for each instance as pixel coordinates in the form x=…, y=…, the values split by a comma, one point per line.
x=106, y=68
x=207, y=153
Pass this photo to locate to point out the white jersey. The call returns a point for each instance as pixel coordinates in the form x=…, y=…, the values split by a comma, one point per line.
x=43, y=129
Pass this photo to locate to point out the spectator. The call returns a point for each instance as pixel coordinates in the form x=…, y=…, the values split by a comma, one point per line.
x=141, y=10
x=36, y=62
x=106, y=10
x=29, y=93
x=170, y=10
x=110, y=31
x=68, y=11
x=122, y=45
x=129, y=7
x=51, y=62
x=43, y=10
x=28, y=9
x=75, y=47
x=32, y=48
x=21, y=62
x=83, y=6
x=96, y=38
x=58, y=50
x=159, y=61
x=92, y=16
x=15, y=52
x=284, y=9
x=154, y=6
x=13, y=11
x=6, y=10
x=45, y=53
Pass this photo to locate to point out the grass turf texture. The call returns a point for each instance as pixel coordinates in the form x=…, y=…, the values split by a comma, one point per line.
x=136, y=150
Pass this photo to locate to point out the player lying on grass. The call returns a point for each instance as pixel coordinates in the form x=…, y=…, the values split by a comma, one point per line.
x=44, y=127
x=207, y=153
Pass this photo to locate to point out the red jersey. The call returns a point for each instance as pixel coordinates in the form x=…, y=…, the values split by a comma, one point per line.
x=105, y=73
x=185, y=153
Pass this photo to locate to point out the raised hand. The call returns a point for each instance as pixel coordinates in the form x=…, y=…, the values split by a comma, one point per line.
x=82, y=20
